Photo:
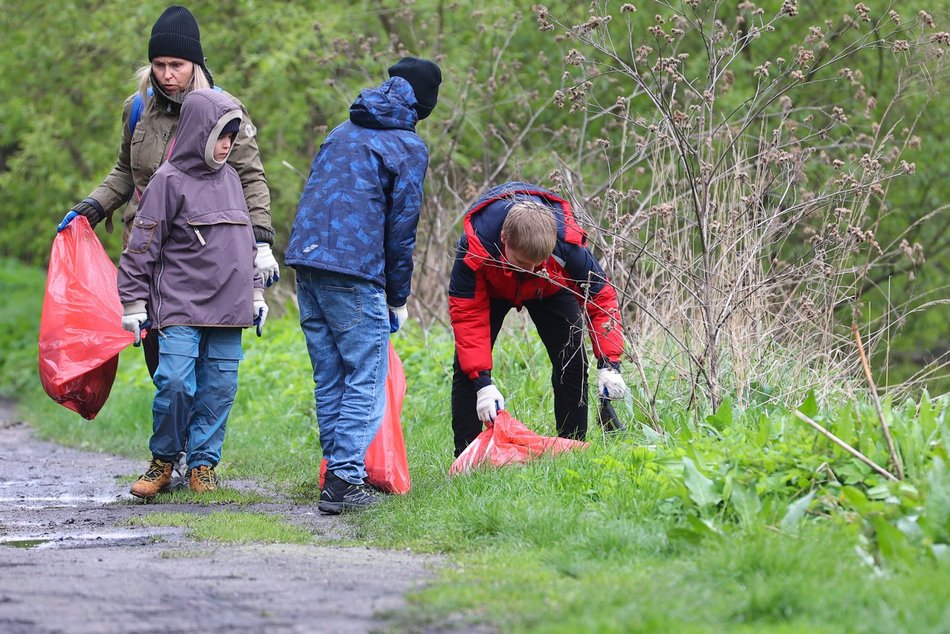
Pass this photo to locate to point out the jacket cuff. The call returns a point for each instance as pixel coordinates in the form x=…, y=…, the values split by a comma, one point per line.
x=262, y=234
x=482, y=380
x=607, y=363
x=258, y=294
x=95, y=203
x=132, y=308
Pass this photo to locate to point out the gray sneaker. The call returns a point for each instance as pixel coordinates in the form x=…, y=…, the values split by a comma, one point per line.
x=338, y=496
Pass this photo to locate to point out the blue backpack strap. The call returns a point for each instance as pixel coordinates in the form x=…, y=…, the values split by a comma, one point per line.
x=138, y=106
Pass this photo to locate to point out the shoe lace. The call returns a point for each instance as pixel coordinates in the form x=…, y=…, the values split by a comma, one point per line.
x=361, y=493
x=205, y=475
x=156, y=469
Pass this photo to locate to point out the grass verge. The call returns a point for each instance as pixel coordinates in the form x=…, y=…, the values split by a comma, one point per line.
x=740, y=520
x=230, y=527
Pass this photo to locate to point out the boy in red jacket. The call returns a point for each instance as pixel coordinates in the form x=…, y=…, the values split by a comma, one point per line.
x=523, y=248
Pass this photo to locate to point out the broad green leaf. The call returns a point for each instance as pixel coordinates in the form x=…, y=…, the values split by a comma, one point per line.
x=764, y=433
x=809, y=406
x=704, y=527
x=860, y=502
x=926, y=418
x=702, y=490
x=746, y=503
x=892, y=543
x=843, y=425
x=723, y=417
x=650, y=434
x=796, y=510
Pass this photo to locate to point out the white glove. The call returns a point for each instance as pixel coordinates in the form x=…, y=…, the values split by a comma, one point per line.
x=266, y=265
x=489, y=402
x=610, y=383
x=397, y=316
x=260, y=311
x=133, y=319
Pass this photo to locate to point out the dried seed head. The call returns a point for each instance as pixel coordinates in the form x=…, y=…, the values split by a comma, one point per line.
x=900, y=46
x=863, y=11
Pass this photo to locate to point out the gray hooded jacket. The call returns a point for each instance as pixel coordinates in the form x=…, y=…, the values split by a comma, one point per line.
x=190, y=256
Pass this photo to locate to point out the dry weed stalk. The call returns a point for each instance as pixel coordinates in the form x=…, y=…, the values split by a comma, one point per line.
x=737, y=225
x=895, y=457
x=851, y=450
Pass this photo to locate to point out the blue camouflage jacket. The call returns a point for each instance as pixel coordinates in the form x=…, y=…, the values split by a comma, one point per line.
x=359, y=210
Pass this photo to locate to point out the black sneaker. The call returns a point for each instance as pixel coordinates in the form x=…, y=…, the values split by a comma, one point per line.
x=338, y=495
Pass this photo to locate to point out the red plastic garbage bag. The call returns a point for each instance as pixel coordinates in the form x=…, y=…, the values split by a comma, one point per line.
x=507, y=440
x=81, y=331
x=387, y=467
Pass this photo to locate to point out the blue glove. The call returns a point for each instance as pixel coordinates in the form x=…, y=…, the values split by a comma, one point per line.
x=66, y=220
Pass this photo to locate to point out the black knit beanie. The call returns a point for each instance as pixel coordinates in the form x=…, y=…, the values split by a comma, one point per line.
x=424, y=77
x=175, y=34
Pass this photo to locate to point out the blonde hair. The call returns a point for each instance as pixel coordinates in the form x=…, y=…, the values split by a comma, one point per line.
x=198, y=80
x=530, y=228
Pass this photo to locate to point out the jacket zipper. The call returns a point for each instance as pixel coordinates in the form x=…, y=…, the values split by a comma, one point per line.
x=200, y=238
x=158, y=287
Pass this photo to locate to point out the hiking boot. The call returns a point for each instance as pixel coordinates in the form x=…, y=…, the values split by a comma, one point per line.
x=156, y=477
x=338, y=495
x=203, y=479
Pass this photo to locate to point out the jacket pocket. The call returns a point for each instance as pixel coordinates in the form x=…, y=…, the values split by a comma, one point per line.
x=135, y=147
x=219, y=217
x=143, y=232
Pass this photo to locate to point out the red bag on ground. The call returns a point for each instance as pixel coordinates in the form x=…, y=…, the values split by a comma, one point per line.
x=387, y=467
x=81, y=331
x=507, y=441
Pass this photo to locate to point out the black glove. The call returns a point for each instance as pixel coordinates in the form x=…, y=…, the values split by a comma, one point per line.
x=91, y=209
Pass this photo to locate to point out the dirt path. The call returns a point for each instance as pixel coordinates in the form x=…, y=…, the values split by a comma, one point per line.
x=70, y=562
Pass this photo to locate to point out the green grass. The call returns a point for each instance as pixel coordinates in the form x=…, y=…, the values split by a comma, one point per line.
x=230, y=527
x=223, y=495
x=19, y=326
x=743, y=520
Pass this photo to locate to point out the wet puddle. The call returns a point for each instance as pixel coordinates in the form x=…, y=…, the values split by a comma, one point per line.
x=85, y=540
x=55, y=500
x=24, y=543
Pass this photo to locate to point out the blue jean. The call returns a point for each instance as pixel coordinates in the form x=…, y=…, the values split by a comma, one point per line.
x=346, y=324
x=195, y=384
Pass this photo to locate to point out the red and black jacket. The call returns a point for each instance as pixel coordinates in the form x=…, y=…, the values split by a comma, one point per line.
x=481, y=273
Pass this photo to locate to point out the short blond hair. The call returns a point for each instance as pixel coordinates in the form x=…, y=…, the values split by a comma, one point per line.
x=530, y=228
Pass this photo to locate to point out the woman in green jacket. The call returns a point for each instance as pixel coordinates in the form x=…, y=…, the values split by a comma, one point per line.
x=149, y=124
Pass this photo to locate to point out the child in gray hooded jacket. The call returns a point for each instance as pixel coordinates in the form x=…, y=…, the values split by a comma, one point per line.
x=189, y=269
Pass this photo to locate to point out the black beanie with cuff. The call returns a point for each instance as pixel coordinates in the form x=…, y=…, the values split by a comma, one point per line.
x=424, y=77
x=175, y=34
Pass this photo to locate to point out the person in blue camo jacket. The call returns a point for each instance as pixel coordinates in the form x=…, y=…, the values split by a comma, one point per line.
x=351, y=247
